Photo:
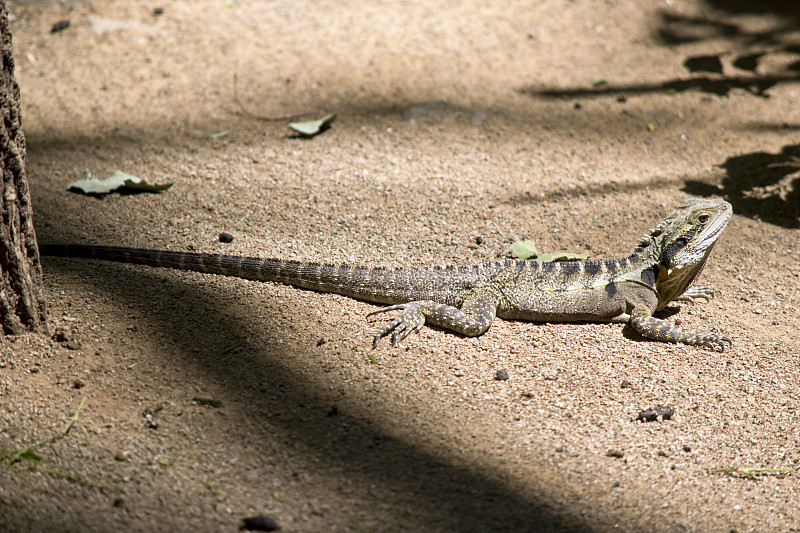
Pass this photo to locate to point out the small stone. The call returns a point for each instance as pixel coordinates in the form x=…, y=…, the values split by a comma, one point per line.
x=158, y=11
x=72, y=344
x=150, y=421
x=686, y=448
x=651, y=415
x=62, y=335
x=477, y=118
x=479, y=240
x=615, y=485
x=665, y=411
x=625, y=384
x=559, y=449
x=621, y=98
x=577, y=105
x=259, y=523
x=225, y=237
x=60, y=26
x=78, y=384
x=617, y=454
x=320, y=342
x=648, y=415
x=502, y=375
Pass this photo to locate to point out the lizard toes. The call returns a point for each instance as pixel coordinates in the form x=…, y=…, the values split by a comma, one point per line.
x=714, y=341
x=385, y=330
x=409, y=321
x=389, y=308
x=722, y=341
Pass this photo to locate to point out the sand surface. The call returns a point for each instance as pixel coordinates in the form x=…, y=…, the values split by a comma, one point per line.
x=458, y=122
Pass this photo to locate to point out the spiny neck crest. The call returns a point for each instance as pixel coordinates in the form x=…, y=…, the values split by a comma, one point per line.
x=650, y=239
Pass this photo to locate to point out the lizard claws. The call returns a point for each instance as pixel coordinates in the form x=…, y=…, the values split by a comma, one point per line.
x=701, y=291
x=385, y=309
x=409, y=321
x=721, y=342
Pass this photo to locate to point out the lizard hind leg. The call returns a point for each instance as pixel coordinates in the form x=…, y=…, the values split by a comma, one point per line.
x=474, y=318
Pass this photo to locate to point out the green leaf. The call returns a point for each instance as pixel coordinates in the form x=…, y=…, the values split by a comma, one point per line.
x=208, y=401
x=561, y=256
x=313, y=127
x=25, y=453
x=524, y=249
x=159, y=407
x=597, y=82
x=119, y=181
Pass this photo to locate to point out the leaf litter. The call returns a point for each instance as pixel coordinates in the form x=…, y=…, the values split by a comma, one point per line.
x=120, y=182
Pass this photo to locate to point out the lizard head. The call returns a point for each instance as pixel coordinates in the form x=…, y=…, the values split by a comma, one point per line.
x=680, y=244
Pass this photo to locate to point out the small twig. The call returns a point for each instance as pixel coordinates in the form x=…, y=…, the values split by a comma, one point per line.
x=10, y=457
x=19, y=454
x=752, y=473
x=793, y=162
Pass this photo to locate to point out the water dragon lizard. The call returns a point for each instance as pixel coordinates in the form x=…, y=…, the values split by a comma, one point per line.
x=466, y=299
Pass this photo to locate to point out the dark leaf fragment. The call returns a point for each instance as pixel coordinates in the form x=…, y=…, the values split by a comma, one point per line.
x=259, y=523
x=60, y=26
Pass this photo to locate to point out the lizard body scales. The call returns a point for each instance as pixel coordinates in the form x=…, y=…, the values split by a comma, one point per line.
x=466, y=299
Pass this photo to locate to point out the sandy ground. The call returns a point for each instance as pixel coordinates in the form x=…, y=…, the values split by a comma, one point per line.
x=458, y=122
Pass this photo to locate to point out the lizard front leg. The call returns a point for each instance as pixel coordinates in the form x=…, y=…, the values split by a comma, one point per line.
x=692, y=293
x=475, y=316
x=643, y=321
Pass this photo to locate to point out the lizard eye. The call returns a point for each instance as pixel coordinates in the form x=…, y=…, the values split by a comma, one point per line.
x=703, y=218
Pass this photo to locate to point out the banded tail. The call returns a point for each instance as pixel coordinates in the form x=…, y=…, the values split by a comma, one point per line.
x=379, y=285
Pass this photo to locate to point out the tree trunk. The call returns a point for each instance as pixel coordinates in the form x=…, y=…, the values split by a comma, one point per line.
x=22, y=306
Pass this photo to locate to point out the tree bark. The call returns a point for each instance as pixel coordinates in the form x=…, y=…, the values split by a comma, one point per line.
x=22, y=306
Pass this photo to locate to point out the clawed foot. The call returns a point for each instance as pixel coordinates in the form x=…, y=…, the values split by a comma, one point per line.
x=409, y=321
x=707, y=340
x=701, y=291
